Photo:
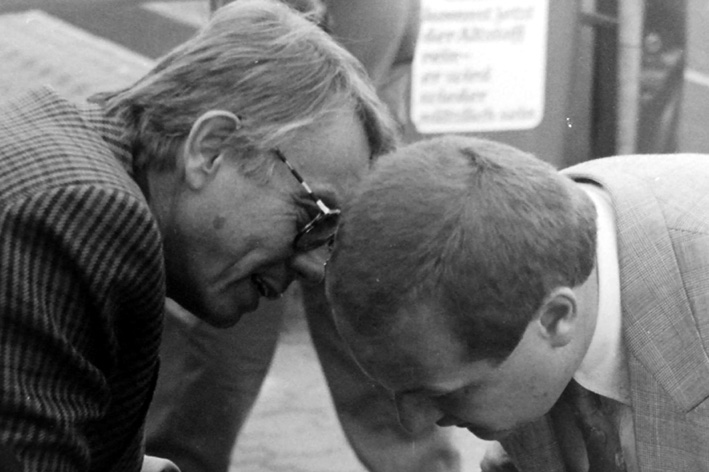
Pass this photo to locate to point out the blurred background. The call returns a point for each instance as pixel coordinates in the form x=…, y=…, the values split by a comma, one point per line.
x=597, y=78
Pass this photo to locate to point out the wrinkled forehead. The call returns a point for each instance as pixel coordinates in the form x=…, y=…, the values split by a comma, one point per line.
x=333, y=152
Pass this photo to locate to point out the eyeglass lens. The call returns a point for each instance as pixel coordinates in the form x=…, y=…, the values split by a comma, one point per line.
x=319, y=232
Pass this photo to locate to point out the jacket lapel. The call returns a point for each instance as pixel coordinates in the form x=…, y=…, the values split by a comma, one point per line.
x=659, y=328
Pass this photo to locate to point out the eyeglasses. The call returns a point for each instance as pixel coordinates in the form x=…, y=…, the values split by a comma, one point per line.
x=321, y=229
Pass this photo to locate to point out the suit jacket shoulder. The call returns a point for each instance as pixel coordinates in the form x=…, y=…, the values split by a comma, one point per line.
x=661, y=206
x=82, y=293
x=46, y=142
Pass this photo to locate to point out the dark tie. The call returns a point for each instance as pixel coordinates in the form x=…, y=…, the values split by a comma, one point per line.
x=8, y=462
x=599, y=432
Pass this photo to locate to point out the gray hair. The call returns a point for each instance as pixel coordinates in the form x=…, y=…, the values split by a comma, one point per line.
x=264, y=62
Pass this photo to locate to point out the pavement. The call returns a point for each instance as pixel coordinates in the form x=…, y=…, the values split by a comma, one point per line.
x=293, y=426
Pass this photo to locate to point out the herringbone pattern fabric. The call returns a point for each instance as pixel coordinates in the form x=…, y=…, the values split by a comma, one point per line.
x=81, y=290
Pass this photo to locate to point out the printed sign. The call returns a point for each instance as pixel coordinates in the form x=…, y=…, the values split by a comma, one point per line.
x=480, y=65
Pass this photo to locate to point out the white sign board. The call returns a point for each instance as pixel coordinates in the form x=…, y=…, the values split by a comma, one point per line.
x=480, y=65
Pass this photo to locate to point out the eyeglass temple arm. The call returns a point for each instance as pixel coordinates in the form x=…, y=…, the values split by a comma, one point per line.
x=321, y=205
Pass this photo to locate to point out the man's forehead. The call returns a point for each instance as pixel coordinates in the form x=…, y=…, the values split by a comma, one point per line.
x=334, y=134
x=332, y=156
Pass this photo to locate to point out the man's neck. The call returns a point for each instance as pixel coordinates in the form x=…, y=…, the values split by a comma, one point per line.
x=161, y=191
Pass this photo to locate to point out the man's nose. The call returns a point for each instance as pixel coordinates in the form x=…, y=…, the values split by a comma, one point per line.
x=310, y=266
x=417, y=414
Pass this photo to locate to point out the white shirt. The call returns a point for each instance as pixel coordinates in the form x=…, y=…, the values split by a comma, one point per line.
x=604, y=368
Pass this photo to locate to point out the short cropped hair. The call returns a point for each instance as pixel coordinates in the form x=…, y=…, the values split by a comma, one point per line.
x=261, y=60
x=476, y=230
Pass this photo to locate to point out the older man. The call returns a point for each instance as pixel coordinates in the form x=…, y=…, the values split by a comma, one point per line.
x=212, y=180
x=564, y=314
x=210, y=377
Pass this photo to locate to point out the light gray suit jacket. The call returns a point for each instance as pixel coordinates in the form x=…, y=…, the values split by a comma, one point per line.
x=661, y=205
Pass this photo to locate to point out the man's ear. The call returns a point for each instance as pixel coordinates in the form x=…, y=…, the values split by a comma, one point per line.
x=558, y=316
x=204, y=147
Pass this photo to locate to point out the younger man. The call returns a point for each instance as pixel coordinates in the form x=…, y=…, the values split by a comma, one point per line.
x=484, y=288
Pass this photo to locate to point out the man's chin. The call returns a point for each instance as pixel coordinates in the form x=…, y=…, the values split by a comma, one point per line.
x=216, y=316
x=489, y=434
x=222, y=323
x=229, y=318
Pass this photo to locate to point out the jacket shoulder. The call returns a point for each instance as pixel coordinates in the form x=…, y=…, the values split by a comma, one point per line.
x=46, y=143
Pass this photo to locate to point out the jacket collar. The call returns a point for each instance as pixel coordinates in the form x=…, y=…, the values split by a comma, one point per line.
x=659, y=328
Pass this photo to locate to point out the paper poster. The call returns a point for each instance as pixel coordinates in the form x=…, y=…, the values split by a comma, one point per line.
x=480, y=65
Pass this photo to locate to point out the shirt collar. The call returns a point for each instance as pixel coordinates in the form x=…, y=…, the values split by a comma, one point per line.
x=112, y=132
x=604, y=369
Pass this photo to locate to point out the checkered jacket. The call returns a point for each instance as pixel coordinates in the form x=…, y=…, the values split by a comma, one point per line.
x=82, y=290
